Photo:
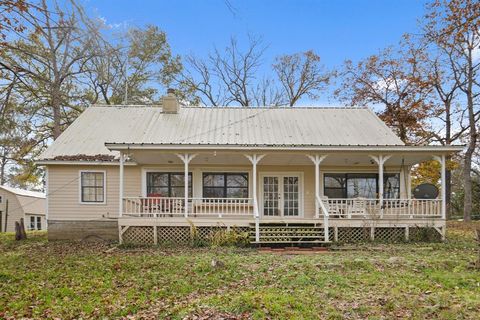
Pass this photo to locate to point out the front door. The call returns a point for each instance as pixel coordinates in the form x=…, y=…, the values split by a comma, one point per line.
x=281, y=195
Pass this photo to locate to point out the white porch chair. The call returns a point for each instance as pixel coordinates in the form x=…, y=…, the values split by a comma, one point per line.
x=358, y=208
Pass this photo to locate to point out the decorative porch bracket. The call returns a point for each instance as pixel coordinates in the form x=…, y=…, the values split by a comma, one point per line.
x=255, y=159
x=186, y=158
x=317, y=160
x=443, y=190
x=380, y=160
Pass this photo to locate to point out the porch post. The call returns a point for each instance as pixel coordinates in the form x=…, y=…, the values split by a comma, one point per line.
x=317, y=159
x=443, y=191
x=380, y=160
x=186, y=158
x=254, y=159
x=120, y=188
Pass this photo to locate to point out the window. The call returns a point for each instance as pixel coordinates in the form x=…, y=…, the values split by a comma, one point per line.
x=0, y=199
x=92, y=187
x=225, y=185
x=168, y=184
x=391, y=189
x=364, y=185
x=32, y=223
x=361, y=185
x=35, y=223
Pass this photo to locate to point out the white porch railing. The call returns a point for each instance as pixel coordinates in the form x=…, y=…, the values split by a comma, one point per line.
x=175, y=206
x=326, y=215
x=392, y=208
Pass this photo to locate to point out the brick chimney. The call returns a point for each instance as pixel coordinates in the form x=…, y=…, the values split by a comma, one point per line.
x=170, y=103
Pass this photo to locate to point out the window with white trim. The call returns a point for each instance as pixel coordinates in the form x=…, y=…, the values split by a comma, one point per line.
x=225, y=185
x=32, y=223
x=92, y=187
x=35, y=223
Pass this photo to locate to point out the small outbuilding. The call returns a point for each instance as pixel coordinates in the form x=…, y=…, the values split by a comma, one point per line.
x=19, y=203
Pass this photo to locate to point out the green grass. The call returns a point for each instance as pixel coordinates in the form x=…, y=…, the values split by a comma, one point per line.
x=39, y=279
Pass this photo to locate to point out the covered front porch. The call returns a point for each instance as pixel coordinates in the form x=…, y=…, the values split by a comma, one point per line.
x=328, y=189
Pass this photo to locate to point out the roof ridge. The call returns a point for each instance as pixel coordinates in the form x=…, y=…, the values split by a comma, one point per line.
x=236, y=107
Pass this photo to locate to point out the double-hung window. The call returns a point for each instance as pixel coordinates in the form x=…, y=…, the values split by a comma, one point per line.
x=92, y=186
x=35, y=223
x=168, y=184
x=225, y=185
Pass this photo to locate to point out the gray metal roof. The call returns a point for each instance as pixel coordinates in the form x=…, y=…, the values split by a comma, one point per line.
x=289, y=127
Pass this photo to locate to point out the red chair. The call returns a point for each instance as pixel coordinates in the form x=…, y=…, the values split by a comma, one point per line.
x=153, y=205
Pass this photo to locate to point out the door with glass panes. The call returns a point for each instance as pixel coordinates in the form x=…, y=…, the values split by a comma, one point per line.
x=280, y=195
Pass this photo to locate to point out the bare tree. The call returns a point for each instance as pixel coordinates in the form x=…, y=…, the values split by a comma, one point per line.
x=454, y=27
x=227, y=76
x=231, y=76
x=301, y=74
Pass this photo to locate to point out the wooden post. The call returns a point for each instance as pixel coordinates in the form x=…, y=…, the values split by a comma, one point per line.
x=317, y=159
x=121, y=173
x=20, y=233
x=186, y=158
x=380, y=160
x=255, y=159
x=6, y=215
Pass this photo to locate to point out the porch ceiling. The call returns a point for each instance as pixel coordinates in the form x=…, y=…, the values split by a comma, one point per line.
x=352, y=159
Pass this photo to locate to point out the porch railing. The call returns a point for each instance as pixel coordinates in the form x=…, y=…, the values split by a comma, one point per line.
x=325, y=214
x=391, y=209
x=175, y=207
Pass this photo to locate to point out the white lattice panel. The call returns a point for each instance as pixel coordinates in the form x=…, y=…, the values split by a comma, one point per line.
x=138, y=235
x=390, y=234
x=353, y=234
x=172, y=235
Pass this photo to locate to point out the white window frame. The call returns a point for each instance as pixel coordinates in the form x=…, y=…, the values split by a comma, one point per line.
x=34, y=218
x=104, y=187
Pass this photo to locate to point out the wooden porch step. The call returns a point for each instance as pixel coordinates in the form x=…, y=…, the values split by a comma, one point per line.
x=292, y=242
x=285, y=233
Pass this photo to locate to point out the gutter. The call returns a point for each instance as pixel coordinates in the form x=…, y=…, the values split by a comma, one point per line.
x=395, y=148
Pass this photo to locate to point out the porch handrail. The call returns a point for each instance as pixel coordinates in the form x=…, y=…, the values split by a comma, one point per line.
x=326, y=215
x=197, y=206
x=396, y=208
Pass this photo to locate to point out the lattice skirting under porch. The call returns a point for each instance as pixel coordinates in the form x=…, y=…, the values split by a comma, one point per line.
x=172, y=234
x=383, y=234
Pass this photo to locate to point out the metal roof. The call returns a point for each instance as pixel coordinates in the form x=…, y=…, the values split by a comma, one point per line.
x=23, y=192
x=288, y=127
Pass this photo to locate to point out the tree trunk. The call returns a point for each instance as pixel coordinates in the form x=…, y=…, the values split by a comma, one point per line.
x=56, y=114
x=20, y=233
x=2, y=170
x=467, y=174
x=467, y=177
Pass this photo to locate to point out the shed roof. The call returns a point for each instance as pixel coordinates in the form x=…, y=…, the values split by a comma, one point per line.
x=23, y=192
x=289, y=127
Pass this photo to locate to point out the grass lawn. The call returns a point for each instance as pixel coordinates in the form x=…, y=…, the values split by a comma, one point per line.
x=39, y=279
